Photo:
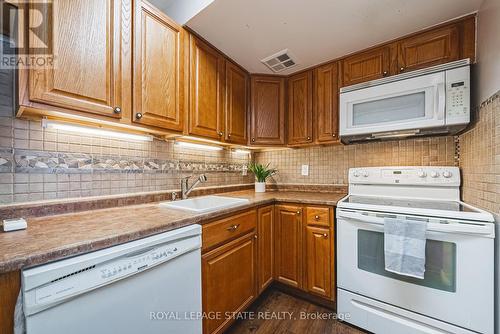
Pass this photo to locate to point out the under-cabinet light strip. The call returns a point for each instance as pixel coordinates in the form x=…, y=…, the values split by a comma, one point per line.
x=198, y=146
x=94, y=131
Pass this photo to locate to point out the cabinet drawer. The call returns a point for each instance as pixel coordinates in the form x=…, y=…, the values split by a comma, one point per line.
x=220, y=231
x=318, y=216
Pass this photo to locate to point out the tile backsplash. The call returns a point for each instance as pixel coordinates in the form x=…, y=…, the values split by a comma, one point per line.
x=42, y=164
x=480, y=158
x=330, y=164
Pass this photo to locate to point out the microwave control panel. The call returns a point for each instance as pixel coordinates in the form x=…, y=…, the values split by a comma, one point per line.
x=458, y=95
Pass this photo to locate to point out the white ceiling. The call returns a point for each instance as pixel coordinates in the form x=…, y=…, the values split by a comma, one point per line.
x=315, y=31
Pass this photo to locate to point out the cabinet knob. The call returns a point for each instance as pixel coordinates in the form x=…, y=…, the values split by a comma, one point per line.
x=316, y=217
x=117, y=110
x=255, y=236
x=138, y=115
x=384, y=73
x=334, y=135
x=221, y=134
x=229, y=135
x=253, y=140
x=325, y=235
x=308, y=138
x=233, y=228
x=298, y=212
x=401, y=69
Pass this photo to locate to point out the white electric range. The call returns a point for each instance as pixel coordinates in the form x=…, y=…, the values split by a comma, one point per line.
x=457, y=292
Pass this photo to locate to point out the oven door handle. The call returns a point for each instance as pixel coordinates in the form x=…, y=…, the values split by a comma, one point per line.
x=486, y=229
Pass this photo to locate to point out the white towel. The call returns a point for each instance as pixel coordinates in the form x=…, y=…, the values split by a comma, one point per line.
x=19, y=318
x=404, y=247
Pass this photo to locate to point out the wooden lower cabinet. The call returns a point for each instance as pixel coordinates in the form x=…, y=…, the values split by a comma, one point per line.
x=319, y=254
x=229, y=281
x=288, y=245
x=265, y=247
x=10, y=283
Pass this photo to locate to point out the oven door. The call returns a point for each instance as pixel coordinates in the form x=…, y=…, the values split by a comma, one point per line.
x=409, y=104
x=458, y=283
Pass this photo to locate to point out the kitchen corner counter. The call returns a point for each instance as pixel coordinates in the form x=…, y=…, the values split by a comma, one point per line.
x=56, y=237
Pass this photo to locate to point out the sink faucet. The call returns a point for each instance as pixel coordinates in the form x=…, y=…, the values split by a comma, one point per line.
x=186, y=189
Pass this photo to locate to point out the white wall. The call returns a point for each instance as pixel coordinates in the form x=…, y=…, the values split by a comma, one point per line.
x=181, y=11
x=488, y=50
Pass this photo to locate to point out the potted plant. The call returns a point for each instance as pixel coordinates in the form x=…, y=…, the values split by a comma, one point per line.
x=261, y=173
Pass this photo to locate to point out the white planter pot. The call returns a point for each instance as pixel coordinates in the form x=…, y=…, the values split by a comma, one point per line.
x=260, y=187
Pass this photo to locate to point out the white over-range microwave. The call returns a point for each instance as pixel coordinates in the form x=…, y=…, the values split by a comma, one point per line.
x=430, y=101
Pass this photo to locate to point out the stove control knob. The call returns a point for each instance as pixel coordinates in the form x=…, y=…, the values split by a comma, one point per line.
x=434, y=174
x=355, y=174
x=364, y=173
x=422, y=174
x=447, y=174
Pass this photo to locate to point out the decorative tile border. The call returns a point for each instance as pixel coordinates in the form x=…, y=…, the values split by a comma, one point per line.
x=6, y=160
x=42, y=162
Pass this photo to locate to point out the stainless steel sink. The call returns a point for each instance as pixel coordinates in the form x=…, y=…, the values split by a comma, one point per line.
x=205, y=203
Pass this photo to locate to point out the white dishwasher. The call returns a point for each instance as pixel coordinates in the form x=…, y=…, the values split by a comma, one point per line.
x=148, y=286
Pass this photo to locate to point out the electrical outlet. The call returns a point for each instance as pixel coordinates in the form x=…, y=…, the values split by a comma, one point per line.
x=305, y=170
x=244, y=170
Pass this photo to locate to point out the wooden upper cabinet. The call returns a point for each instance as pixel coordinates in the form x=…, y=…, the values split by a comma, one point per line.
x=368, y=65
x=430, y=48
x=206, y=109
x=265, y=247
x=288, y=247
x=326, y=103
x=300, y=113
x=236, y=83
x=90, y=41
x=229, y=281
x=267, y=125
x=159, y=97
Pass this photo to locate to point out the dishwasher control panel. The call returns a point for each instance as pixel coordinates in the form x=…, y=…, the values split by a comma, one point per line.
x=92, y=277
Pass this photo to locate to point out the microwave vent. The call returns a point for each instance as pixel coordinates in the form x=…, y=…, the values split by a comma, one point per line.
x=280, y=61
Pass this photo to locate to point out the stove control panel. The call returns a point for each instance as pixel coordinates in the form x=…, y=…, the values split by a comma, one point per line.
x=432, y=176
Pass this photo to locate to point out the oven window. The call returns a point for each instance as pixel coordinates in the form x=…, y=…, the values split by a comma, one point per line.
x=393, y=109
x=440, y=261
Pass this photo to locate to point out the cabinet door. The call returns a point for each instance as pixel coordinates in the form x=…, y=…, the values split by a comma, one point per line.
x=300, y=115
x=366, y=66
x=326, y=103
x=428, y=49
x=265, y=249
x=288, y=252
x=90, y=41
x=158, y=70
x=319, y=261
x=206, y=89
x=268, y=110
x=236, y=104
x=229, y=277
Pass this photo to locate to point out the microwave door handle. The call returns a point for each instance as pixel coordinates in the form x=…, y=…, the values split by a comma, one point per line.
x=441, y=101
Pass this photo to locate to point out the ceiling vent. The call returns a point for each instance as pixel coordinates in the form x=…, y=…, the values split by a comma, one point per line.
x=280, y=61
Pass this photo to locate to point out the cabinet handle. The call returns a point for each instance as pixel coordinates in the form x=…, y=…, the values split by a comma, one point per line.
x=325, y=235
x=233, y=228
x=138, y=115
x=401, y=69
x=384, y=73
x=316, y=217
x=117, y=110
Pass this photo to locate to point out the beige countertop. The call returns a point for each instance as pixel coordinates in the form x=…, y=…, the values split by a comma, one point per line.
x=56, y=237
